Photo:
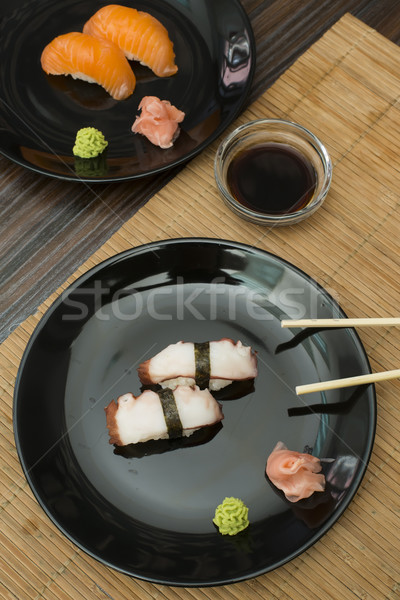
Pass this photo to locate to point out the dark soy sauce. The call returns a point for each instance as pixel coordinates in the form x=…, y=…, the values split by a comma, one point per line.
x=271, y=178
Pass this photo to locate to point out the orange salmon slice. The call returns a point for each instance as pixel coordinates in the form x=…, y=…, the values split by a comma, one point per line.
x=91, y=59
x=139, y=35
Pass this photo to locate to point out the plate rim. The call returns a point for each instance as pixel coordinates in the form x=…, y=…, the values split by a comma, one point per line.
x=322, y=530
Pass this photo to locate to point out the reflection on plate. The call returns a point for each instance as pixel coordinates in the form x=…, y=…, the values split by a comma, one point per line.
x=148, y=512
x=40, y=114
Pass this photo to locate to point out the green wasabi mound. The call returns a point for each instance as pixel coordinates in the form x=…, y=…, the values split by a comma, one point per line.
x=89, y=142
x=231, y=516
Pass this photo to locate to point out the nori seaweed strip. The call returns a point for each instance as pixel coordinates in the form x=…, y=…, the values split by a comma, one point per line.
x=202, y=364
x=171, y=415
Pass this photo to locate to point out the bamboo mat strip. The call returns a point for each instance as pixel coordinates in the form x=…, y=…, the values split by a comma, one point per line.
x=346, y=89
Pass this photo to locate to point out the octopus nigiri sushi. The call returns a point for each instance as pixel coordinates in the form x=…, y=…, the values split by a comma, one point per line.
x=96, y=61
x=139, y=35
x=297, y=475
x=212, y=365
x=158, y=121
x=161, y=415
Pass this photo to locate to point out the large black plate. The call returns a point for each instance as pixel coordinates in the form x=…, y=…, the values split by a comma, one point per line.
x=40, y=114
x=151, y=516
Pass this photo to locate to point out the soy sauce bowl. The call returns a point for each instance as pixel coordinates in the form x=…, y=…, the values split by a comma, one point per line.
x=272, y=172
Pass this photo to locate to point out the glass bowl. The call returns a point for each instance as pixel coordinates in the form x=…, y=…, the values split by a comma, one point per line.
x=273, y=172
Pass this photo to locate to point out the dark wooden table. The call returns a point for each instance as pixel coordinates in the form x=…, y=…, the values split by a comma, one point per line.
x=49, y=227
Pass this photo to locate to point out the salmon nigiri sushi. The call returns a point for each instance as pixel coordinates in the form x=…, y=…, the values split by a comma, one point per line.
x=139, y=35
x=96, y=61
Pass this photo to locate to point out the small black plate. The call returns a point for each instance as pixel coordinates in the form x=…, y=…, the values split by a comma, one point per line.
x=40, y=114
x=147, y=511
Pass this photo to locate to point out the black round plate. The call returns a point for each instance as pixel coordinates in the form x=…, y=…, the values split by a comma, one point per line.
x=40, y=114
x=147, y=510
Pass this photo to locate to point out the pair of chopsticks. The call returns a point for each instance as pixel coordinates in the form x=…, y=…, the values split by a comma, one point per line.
x=347, y=381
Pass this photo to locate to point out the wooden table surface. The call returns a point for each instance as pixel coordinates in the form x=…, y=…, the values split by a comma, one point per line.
x=49, y=227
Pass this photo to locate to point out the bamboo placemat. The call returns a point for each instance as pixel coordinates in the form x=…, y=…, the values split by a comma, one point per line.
x=346, y=90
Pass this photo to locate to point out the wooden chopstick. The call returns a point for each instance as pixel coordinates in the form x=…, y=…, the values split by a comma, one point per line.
x=362, y=322
x=332, y=384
